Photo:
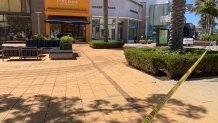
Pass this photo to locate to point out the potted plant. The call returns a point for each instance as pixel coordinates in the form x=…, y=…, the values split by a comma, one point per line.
x=37, y=40
x=142, y=40
x=149, y=41
x=66, y=43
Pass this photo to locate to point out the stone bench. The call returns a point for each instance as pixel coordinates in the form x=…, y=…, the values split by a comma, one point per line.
x=57, y=54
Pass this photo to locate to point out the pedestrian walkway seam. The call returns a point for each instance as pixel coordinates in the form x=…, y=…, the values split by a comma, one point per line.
x=116, y=86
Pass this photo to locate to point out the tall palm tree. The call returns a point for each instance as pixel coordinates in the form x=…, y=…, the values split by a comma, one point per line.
x=209, y=11
x=177, y=25
x=105, y=20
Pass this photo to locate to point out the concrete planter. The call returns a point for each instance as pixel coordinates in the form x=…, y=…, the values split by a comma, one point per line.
x=65, y=46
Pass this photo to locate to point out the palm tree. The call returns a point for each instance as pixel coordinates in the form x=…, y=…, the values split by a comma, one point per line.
x=105, y=20
x=209, y=11
x=177, y=25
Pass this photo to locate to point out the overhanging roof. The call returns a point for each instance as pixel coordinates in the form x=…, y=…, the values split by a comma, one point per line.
x=67, y=20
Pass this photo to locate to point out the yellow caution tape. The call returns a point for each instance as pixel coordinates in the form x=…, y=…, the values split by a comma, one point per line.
x=155, y=111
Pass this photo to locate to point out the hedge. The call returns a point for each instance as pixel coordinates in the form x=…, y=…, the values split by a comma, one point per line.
x=174, y=65
x=106, y=45
x=209, y=37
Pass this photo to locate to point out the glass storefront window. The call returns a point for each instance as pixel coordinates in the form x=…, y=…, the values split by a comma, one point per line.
x=18, y=25
x=4, y=5
x=98, y=29
x=25, y=6
x=95, y=21
x=121, y=30
x=15, y=5
x=133, y=26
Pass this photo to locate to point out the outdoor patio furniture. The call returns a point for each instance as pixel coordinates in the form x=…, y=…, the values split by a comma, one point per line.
x=30, y=52
x=21, y=52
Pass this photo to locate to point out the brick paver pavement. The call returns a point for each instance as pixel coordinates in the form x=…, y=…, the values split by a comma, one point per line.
x=97, y=87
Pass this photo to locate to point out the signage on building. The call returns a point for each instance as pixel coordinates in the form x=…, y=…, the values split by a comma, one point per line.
x=68, y=2
x=100, y=7
x=133, y=11
x=67, y=5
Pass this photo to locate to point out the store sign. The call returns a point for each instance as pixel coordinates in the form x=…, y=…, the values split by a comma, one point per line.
x=69, y=2
x=67, y=5
x=100, y=7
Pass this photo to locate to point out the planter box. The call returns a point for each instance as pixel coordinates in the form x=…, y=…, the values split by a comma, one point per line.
x=60, y=54
x=43, y=43
x=66, y=46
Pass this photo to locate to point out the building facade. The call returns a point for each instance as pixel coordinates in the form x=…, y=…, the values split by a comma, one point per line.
x=15, y=18
x=158, y=23
x=82, y=19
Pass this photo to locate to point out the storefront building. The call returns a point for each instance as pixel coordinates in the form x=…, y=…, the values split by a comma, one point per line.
x=15, y=19
x=158, y=23
x=125, y=20
x=82, y=19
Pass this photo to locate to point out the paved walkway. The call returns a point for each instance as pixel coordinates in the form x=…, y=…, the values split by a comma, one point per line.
x=97, y=87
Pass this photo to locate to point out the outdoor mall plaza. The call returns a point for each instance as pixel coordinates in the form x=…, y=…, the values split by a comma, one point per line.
x=98, y=87
x=83, y=19
x=42, y=82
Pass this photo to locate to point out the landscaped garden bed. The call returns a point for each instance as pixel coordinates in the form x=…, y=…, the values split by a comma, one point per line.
x=105, y=45
x=159, y=61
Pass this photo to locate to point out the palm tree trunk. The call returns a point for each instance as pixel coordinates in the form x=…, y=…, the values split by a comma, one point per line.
x=105, y=20
x=177, y=25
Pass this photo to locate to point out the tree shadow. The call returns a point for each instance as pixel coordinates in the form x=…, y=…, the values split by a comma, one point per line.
x=44, y=108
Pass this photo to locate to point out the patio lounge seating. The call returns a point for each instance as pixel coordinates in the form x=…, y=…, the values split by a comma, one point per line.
x=27, y=52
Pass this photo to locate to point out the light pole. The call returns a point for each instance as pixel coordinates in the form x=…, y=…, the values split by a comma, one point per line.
x=38, y=13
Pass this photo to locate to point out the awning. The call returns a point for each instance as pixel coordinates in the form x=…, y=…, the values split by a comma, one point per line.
x=67, y=20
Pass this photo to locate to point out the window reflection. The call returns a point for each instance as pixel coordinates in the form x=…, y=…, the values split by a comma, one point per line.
x=17, y=25
x=98, y=29
x=15, y=6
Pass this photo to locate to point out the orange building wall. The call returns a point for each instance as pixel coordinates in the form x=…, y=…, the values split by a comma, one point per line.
x=78, y=8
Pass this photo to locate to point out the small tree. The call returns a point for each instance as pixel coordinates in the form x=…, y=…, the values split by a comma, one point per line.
x=105, y=20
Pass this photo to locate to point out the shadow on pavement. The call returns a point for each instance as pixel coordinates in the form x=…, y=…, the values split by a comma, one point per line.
x=44, y=108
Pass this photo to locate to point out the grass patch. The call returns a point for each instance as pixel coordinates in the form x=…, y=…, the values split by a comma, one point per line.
x=174, y=65
x=106, y=45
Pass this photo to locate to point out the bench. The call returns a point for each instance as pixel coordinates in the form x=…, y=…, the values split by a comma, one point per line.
x=26, y=52
x=57, y=54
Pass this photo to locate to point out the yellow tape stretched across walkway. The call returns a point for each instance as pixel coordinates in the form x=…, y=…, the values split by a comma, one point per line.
x=155, y=111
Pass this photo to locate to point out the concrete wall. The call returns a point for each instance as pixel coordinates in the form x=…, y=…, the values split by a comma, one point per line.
x=38, y=6
x=119, y=8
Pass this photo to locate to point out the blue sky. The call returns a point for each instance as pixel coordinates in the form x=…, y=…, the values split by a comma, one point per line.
x=192, y=17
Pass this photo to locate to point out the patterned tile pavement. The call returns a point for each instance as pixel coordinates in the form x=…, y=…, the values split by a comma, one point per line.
x=97, y=87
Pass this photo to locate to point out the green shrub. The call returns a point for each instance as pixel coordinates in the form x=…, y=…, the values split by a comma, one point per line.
x=149, y=41
x=54, y=38
x=38, y=37
x=209, y=37
x=105, y=45
x=174, y=65
x=142, y=41
x=67, y=40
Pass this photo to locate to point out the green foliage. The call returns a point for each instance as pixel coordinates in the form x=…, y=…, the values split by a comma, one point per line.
x=149, y=41
x=142, y=41
x=54, y=38
x=38, y=37
x=209, y=37
x=174, y=65
x=105, y=45
x=67, y=40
